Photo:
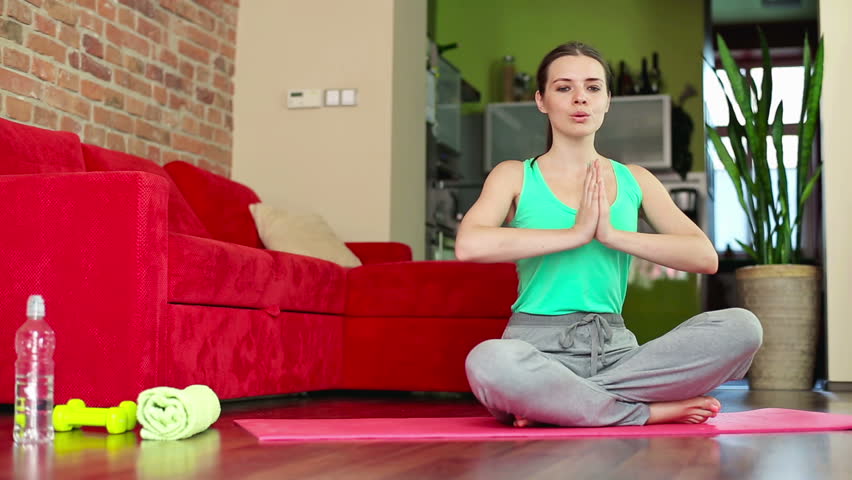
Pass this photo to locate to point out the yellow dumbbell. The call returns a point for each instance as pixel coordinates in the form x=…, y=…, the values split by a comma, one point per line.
x=76, y=414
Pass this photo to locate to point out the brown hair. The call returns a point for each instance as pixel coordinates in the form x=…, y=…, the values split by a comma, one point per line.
x=574, y=49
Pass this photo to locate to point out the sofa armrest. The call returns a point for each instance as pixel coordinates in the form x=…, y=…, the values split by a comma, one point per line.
x=380, y=252
x=95, y=246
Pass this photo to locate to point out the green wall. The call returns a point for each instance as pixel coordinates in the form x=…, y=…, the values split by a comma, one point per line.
x=486, y=30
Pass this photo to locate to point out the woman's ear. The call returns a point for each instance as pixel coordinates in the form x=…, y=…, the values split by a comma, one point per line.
x=539, y=101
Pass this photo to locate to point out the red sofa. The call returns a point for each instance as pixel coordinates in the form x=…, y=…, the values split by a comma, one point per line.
x=156, y=276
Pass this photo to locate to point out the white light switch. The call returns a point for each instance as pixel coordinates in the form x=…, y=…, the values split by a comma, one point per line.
x=304, y=98
x=332, y=97
x=349, y=96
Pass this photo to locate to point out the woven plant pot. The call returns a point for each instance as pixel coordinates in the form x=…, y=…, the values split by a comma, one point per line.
x=786, y=299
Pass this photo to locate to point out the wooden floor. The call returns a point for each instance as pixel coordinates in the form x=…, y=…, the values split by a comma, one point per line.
x=227, y=451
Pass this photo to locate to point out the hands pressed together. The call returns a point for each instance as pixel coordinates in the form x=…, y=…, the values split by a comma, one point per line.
x=592, y=220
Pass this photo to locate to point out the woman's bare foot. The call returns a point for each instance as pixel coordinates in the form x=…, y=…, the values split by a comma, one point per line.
x=523, y=422
x=692, y=410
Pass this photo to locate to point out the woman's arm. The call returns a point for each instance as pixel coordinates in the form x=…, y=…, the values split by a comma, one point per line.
x=678, y=243
x=481, y=237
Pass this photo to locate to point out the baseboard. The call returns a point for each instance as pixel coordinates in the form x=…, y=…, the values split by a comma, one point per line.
x=838, y=386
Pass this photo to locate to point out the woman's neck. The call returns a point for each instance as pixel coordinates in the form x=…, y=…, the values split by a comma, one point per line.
x=573, y=151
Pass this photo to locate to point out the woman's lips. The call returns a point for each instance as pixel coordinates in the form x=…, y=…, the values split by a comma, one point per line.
x=580, y=117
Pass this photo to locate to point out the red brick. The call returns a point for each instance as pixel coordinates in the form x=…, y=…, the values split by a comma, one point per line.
x=145, y=7
x=161, y=95
x=37, y=3
x=45, y=118
x=180, y=8
x=90, y=4
x=16, y=59
x=153, y=113
x=153, y=72
x=69, y=80
x=193, y=52
x=69, y=103
x=135, y=107
x=20, y=11
x=189, y=125
x=97, y=69
x=115, y=141
x=92, y=22
x=229, y=52
x=12, y=30
x=229, y=122
x=214, y=6
x=61, y=11
x=206, y=131
x=45, y=25
x=168, y=58
x=195, y=109
x=136, y=147
x=140, y=85
x=204, y=96
x=123, y=38
x=69, y=36
x=149, y=30
x=202, y=75
x=214, y=167
x=169, y=156
x=214, y=116
x=120, y=121
x=94, y=135
x=153, y=154
x=150, y=132
x=187, y=71
x=187, y=144
x=200, y=37
x=222, y=137
x=93, y=46
x=222, y=83
x=17, y=109
x=176, y=102
x=221, y=64
x=46, y=46
x=68, y=124
x=134, y=65
x=92, y=90
x=232, y=35
x=106, y=9
x=17, y=83
x=174, y=82
x=127, y=18
x=113, y=55
x=74, y=60
x=206, y=20
x=113, y=98
x=100, y=116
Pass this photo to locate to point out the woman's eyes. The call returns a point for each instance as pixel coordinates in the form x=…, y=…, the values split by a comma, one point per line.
x=592, y=88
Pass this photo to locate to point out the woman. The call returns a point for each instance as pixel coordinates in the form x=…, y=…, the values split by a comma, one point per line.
x=566, y=357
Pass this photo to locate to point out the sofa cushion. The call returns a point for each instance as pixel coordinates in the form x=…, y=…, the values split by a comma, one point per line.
x=304, y=233
x=181, y=217
x=431, y=289
x=204, y=271
x=25, y=149
x=220, y=203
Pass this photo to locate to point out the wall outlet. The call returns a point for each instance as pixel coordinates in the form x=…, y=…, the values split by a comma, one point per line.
x=304, y=98
x=332, y=97
x=349, y=96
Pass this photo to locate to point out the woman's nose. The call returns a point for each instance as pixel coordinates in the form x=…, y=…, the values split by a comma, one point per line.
x=580, y=98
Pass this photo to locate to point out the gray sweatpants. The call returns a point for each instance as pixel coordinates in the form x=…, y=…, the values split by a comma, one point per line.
x=586, y=369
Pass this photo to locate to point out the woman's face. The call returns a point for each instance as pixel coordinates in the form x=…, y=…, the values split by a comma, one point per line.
x=575, y=97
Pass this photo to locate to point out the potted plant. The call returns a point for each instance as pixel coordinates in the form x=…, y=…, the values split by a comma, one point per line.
x=780, y=289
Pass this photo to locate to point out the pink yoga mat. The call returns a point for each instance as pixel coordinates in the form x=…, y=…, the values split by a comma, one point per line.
x=767, y=420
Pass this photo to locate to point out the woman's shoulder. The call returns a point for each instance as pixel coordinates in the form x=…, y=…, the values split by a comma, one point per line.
x=508, y=170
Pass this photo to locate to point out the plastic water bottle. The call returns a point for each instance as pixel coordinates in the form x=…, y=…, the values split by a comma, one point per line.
x=34, y=344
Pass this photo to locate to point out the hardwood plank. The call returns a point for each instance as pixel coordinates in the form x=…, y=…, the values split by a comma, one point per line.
x=227, y=451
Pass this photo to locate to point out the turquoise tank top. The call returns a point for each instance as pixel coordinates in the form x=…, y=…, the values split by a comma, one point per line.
x=591, y=278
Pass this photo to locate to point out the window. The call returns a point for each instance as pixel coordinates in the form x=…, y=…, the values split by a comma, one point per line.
x=730, y=223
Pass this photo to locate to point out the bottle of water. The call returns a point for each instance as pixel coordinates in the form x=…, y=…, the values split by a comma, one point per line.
x=34, y=344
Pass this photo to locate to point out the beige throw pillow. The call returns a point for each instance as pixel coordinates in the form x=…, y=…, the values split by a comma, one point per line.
x=302, y=233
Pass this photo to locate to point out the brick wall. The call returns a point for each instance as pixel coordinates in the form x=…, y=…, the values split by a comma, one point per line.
x=149, y=77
